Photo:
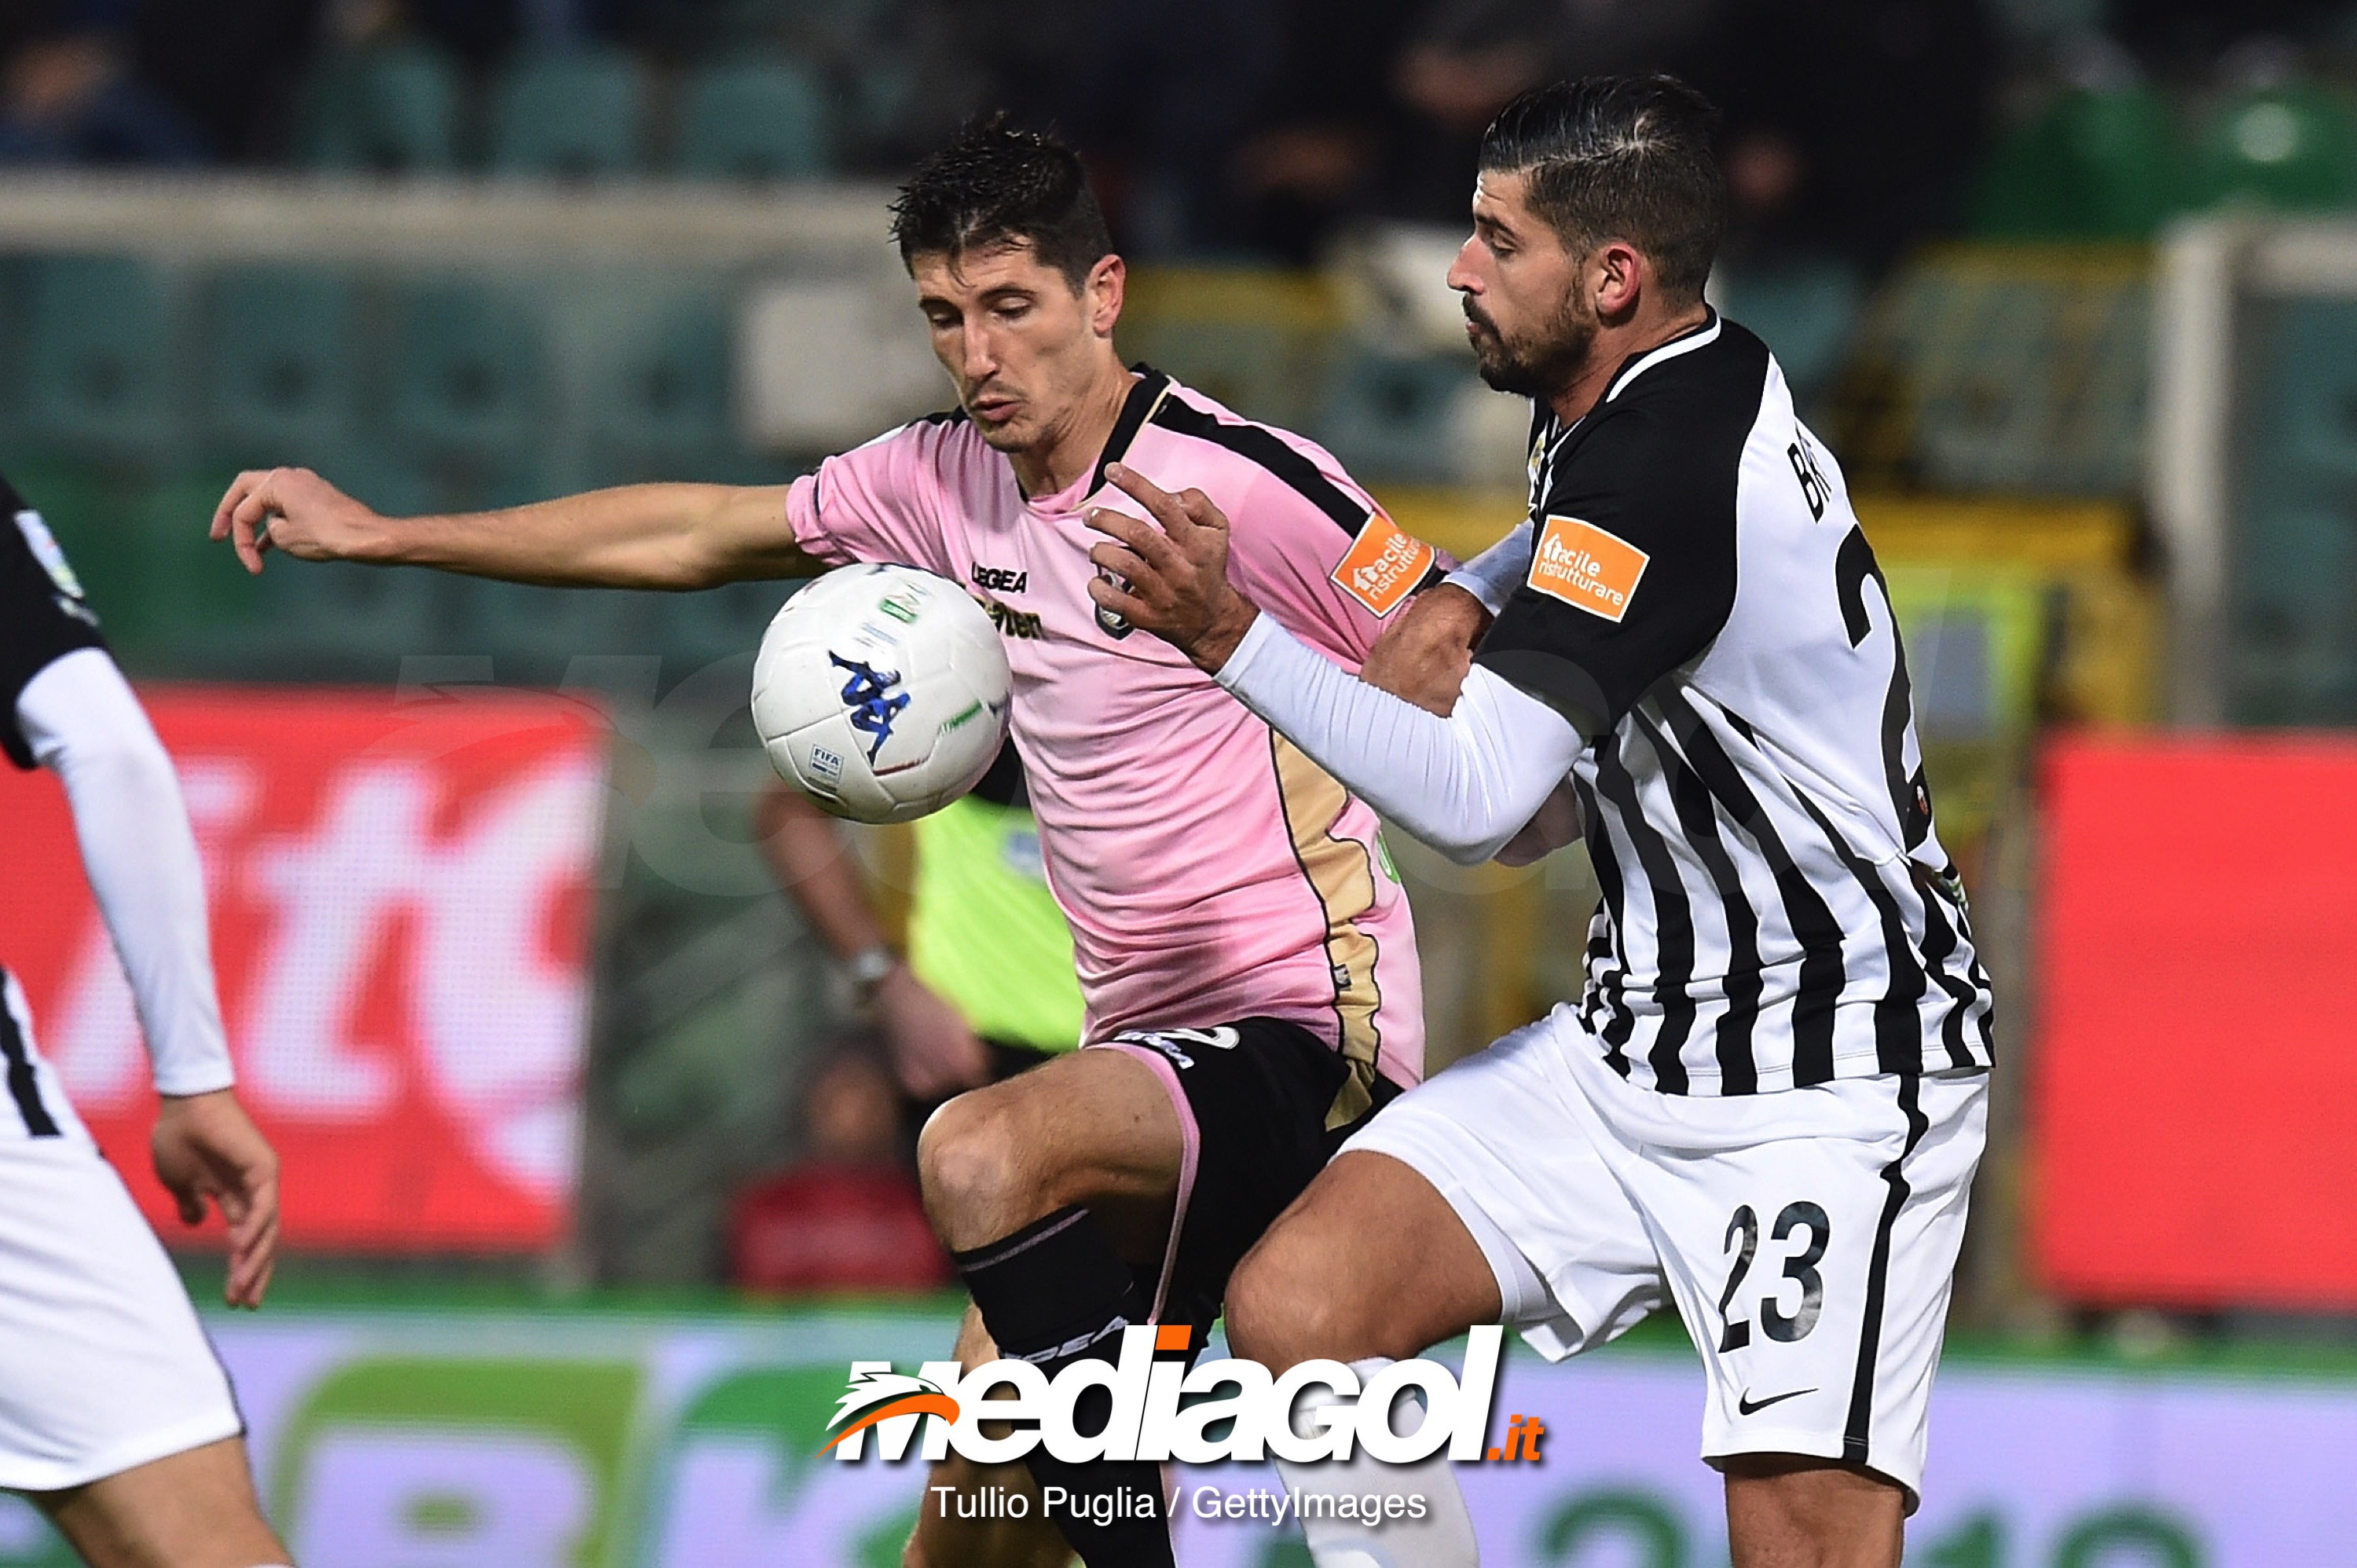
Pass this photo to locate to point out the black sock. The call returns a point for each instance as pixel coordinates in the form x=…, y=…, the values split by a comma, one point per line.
x=1053, y=1294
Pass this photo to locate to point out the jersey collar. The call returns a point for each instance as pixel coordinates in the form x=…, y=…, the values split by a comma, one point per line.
x=1146, y=395
x=1700, y=336
x=1548, y=431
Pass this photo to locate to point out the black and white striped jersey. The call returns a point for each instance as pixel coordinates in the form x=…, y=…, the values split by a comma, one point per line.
x=43, y=615
x=1701, y=601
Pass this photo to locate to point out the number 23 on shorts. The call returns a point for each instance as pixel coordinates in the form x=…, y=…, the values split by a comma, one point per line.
x=1736, y=1306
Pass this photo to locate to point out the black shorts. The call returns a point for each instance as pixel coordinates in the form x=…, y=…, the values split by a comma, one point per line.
x=1007, y=1058
x=1256, y=1094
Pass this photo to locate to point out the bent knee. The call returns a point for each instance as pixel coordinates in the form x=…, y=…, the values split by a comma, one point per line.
x=965, y=1156
x=1281, y=1312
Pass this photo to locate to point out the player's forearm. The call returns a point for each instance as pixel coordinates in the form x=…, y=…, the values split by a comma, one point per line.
x=1465, y=784
x=1492, y=575
x=676, y=536
x=815, y=868
x=141, y=856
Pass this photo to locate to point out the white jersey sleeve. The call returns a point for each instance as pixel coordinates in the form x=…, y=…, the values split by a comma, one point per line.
x=1494, y=575
x=79, y=718
x=1465, y=784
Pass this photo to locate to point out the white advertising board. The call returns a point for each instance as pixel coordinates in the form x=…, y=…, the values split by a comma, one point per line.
x=456, y=1439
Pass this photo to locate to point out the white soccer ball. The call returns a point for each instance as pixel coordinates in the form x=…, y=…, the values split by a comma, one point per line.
x=881, y=692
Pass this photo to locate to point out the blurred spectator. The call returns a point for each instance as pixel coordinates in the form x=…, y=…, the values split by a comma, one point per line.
x=232, y=68
x=480, y=31
x=1315, y=152
x=2193, y=33
x=483, y=32
x=1470, y=56
x=1160, y=94
x=847, y=1216
x=70, y=94
x=1851, y=125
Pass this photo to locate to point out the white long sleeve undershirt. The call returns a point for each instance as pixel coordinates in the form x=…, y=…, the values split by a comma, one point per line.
x=82, y=721
x=1494, y=575
x=1465, y=784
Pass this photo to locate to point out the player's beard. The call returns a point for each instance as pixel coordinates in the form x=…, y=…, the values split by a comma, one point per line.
x=1539, y=365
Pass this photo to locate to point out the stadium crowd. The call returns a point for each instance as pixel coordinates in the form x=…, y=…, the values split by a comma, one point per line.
x=1230, y=129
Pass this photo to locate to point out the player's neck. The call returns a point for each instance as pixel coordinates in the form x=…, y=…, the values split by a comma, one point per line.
x=1614, y=346
x=1071, y=447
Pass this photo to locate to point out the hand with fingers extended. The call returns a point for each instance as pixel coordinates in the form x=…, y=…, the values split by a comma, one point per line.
x=292, y=510
x=206, y=1147
x=1172, y=578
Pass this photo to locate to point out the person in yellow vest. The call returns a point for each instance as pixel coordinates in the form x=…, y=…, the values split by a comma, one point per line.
x=987, y=987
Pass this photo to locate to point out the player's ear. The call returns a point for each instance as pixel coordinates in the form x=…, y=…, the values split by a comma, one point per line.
x=1616, y=273
x=1102, y=292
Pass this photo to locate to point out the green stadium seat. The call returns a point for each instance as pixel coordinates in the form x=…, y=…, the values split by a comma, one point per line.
x=199, y=590
x=1259, y=372
x=468, y=373
x=1806, y=312
x=1391, y=419
x=350, y=621
x=2095, y=165
x=662, y=390
x=2011, y=368
x=369, y=470
x=2290, y=148
x=571, y=114
x=755, y=120
x=391, y=110
x=2304, y=426
x=99, y=366
x=2293, y=654
x=279, y=363
x=879, y=95
x=828, y=30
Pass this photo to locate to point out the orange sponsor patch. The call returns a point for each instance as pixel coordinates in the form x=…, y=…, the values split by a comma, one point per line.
x=1586, y=567
x=1384, y=564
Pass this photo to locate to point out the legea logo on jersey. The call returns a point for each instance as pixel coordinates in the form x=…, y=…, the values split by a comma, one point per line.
x=1587, y=568
x=1383, y=565
x=1251, y=1410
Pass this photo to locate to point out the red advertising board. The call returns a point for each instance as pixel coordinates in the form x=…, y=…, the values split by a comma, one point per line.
x=2195, y=1070
x=400, y=894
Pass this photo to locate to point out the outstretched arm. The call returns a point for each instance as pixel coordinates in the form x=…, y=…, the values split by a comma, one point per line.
x=1467, y=784
x=80, y=719
x=636, y=536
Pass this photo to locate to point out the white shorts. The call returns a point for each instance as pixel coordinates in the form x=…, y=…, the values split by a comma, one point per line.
x=102, y=1363
x=1809, y=1236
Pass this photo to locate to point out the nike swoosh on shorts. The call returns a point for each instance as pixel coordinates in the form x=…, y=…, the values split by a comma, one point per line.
x=1744, y=1406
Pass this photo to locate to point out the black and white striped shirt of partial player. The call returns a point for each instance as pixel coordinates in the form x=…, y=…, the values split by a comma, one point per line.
x=65, y=707
x=1692, y=625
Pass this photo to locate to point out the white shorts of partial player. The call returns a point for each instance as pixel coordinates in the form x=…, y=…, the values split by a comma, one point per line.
x=102, y=1364
x=1807, y=1236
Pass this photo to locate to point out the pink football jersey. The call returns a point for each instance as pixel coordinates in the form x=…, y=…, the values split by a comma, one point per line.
x=1211, y=871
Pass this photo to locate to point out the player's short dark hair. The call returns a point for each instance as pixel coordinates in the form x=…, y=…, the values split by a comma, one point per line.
x=994, y=183
x=1625, y=157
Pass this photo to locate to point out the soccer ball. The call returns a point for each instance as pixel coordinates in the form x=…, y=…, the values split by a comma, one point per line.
x=881, y=692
